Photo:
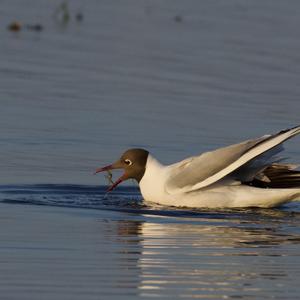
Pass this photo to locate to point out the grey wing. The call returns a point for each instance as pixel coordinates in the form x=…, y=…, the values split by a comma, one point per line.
x=255, y=167
x=200, y=171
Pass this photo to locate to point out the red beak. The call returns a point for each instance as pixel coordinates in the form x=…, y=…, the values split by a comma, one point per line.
x=115, y=184
x=107, y=168
x=111, y=167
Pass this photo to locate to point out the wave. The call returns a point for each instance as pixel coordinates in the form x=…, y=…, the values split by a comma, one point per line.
x=124, y=199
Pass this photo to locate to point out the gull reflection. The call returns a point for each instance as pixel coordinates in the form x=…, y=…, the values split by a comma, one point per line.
x=208, y=258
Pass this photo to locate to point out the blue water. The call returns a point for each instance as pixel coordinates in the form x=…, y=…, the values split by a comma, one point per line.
x=76, y=242
x=174, y=77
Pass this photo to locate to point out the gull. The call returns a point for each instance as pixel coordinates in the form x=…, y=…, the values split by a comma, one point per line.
x=248, y=174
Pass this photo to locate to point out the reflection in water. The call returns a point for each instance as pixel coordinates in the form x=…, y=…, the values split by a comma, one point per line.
x=206, y=260
x=122, y=247
x=146, y=250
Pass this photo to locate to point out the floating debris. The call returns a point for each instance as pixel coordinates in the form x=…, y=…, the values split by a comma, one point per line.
x=178, y=18
x=79, y=17
x=14, y=26
x=35, y=27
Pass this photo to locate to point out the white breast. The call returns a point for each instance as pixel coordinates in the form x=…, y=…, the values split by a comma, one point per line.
x=153, y=182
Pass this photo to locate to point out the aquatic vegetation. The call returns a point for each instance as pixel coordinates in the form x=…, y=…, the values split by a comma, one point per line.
x=62, y=13
x=108, y=176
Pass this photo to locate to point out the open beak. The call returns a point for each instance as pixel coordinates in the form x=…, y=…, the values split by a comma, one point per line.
x=107, y=168
x=116, y=165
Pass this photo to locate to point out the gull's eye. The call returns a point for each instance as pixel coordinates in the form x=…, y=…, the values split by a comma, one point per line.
x=128, y=162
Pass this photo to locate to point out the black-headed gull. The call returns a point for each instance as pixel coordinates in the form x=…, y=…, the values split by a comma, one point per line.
x=248, y=174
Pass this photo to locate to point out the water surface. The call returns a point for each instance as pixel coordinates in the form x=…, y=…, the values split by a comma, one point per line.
x=75, y=242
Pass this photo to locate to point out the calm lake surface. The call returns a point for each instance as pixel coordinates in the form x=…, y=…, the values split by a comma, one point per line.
x=175, y=77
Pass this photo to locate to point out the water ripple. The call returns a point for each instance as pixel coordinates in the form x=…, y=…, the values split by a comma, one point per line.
x=128, y=199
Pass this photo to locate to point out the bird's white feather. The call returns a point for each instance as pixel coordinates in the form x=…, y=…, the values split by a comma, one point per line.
x=199, y=172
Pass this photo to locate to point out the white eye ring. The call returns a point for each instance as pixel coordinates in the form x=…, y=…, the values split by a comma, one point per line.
x=128, y=162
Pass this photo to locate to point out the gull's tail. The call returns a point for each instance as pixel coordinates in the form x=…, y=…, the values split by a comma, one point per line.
x=278, y=176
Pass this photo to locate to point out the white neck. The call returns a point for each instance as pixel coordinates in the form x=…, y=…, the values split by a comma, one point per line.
x=152, y=183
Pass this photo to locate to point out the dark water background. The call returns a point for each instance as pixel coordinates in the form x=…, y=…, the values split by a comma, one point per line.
x=175, y=77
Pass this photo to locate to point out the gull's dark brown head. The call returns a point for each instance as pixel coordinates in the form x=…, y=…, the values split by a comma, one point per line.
x=133, y=162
